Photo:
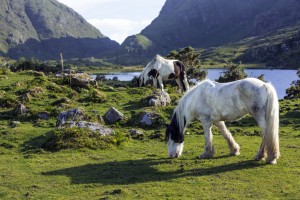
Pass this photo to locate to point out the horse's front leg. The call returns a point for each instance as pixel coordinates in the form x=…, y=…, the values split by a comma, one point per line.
x=209, y=150
x=233, y=146
x=160, y=82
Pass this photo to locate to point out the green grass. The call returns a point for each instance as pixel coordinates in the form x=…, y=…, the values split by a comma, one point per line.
x=138, y=169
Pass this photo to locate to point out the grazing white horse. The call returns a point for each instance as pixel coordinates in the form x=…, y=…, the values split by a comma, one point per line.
x=213, y=103
x=161, y=69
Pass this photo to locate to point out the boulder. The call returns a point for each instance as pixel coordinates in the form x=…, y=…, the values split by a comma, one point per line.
x=136, y=134
x=159, y=99
x=43, y=115
x=20, y=109
x=14, y=124
x=113, y=115
x=95, y=127
x=82, y=80
x=149, y=119
x=70, y=115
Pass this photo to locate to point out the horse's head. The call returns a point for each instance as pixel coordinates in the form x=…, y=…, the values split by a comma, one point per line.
x=174, y=138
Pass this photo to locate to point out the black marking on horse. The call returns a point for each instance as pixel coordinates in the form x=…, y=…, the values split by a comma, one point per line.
x=154, y=73
x=171, y=76
x=184, y=121
x=173, y=131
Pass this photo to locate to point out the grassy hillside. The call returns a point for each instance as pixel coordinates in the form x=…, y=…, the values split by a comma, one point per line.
x=134, y=169
x=279, y=49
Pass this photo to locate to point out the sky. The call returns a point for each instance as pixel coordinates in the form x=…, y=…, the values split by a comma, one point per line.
x=117, y=19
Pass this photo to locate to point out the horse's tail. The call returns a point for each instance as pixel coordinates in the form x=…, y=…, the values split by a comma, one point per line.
x=271, y=136
x=183, y=78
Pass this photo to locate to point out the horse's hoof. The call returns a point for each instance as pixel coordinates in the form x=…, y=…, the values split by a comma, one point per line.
x=272, y=162
x=206, y=156
x=235, y=153
x=259, y=158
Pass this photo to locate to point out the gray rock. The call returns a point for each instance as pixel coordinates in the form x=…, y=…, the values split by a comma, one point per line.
x=21, y=109
x=43, y=115
x=70, y=115
x=95, y=127
x=148, y=119
x=159, y=99
x=113, y=115
x=136, y=134
x=82, y=80
x=14, y=124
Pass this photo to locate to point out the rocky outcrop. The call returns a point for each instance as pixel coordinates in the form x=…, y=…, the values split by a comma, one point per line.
x=283, y=54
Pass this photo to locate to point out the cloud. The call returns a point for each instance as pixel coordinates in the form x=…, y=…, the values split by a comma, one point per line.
x=119, y=29
x=117, y=19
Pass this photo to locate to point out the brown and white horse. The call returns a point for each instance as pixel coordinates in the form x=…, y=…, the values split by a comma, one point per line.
x=161, y=69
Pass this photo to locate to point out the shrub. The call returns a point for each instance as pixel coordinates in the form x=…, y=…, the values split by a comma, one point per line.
x=233, y=72
x=8, y=101
x=97, y=96
x=293, y=92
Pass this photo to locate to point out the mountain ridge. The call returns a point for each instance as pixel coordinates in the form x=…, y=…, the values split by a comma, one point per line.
x=38, y=28
x=205, y=24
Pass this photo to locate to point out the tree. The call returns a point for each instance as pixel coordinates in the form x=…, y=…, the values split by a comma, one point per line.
x=190, y=58
x=187, y=55
x=233, y=72
x=293, y=92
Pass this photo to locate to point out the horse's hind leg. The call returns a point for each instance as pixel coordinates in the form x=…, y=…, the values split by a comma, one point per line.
x=209, y=150
x=233, y=146
x=261, y=153
x=179, y=84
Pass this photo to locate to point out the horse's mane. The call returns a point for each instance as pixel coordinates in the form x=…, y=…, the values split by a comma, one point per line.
x=181, y=106
x=159, y=58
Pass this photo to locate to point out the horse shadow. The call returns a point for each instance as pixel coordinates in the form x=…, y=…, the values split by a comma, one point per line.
x=140, y=171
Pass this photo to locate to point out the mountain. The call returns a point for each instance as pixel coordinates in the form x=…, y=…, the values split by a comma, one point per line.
x=44, y=28
x=214, y=23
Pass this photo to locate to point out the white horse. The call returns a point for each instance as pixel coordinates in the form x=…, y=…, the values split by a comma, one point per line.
x=213, y=103
x=161, y=69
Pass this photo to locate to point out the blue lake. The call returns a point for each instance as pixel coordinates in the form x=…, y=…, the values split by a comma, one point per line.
x=281, y=79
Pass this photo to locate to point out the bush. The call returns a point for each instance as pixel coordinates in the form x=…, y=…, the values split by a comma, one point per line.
x=97, y=96
x=8, y=101
x=293, y=92
x=33, y=64
x=233, y=72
